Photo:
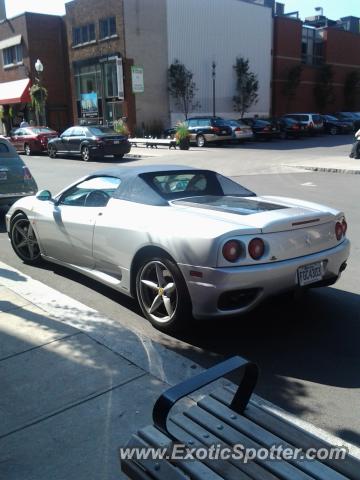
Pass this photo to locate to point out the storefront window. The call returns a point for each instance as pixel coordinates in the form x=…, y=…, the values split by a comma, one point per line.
x=88, y=80
x=111, y=87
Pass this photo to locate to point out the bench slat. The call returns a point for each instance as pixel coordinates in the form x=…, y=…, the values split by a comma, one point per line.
x=196, y=469
x=157, y=469
x=262, y=468
x=350, y=466
x=206, y=438
x=245, y=426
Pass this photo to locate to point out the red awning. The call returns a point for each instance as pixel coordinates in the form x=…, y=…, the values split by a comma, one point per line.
x=15, y=92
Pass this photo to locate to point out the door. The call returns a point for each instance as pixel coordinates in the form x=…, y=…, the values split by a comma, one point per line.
x=77, y=136
x=62, y=144
x=15, y=138
x=66, y=227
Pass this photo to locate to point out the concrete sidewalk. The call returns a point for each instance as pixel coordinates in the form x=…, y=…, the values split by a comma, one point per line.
x=331, y=165
x=76, y=385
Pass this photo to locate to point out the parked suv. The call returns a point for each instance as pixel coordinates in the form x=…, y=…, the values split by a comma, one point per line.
x=208, y=129
x=312, y=122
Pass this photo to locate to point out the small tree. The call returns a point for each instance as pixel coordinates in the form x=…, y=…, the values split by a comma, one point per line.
x=247, y=86
x=351, y=86
x=291, y=83
x=182, y=87
x=38, y=95
x=323, y=89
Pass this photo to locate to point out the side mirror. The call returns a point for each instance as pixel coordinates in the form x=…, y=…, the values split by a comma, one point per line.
x=44, y=196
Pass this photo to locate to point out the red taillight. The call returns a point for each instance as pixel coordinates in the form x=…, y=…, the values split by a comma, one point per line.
x=26, y=173
x=215, y=129
x=98, y=140
x=232, y=250
x=266, y=129
x=237, y=129
x=256, y=248
x=344, y=226
x=295, y=127
x=338, y=230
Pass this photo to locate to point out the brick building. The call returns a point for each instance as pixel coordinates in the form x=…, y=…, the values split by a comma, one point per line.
x=319, y=48
x=99, y=70
x=24, y=39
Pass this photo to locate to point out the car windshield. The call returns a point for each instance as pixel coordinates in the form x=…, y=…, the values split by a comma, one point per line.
x=101, y=130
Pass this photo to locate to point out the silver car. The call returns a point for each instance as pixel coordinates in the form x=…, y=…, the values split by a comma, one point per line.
x=181, y=240
x=16, y=180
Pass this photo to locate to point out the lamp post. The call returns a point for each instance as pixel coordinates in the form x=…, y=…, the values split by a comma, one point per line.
x=213, y=66
x=39, y=67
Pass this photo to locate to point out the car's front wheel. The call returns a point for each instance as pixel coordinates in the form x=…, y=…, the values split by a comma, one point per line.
x=200, y=141
x=162, y=294
x=85, y=153
x=27, y=149
x=52, y=151
x=23, y=239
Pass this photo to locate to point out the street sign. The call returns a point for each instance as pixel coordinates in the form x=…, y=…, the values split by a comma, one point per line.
x=137, y=79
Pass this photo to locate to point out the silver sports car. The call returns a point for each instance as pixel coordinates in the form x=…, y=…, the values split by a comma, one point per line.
x=185, y=242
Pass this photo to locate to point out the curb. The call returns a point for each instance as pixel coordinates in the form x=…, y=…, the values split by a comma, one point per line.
x=152, y=357
x=326, y=169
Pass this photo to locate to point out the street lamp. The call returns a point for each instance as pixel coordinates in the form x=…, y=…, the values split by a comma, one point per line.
x=39, y=67
x=213, y=65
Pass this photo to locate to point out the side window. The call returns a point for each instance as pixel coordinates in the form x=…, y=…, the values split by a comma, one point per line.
x=94, y=192
x=67, y=132
x=77, y=132
x=193, y=123
x=204, y=122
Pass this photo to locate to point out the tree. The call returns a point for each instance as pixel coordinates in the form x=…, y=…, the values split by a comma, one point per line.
x=247, y=86
x=182, y=87
x=323, y=89
x=351, y=86
x=291, y=83
x=38, y=95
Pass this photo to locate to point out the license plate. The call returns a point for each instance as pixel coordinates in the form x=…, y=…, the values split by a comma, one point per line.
x=116, y=142
x=310, y=273
x=223, y=131
x=3, y=176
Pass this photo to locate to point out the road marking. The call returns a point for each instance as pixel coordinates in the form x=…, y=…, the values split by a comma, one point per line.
x=308, y=184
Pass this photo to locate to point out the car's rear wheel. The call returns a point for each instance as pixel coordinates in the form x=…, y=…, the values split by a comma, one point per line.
x=333, y=131
x=200, y=141
x=118, y=157
x=27, y=149
x=23, y=239
x=52, y=151
x=162, y=294
x=85, y=153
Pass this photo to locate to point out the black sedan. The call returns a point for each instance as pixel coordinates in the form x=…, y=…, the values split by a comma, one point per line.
x=290, y=128
x=335, y=125
x=262, y=129
x=95, y=141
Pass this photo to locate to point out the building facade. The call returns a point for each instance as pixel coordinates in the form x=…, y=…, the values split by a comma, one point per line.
x=100, y=71
x=327, y=58
x=24, y=39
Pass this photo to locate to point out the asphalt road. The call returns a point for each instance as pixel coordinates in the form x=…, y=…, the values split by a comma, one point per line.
x=307, y=350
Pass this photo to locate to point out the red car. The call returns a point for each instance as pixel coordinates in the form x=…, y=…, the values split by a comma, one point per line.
x=31, y=139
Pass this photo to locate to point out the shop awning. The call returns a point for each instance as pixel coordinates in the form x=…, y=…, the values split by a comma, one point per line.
x=15, y=92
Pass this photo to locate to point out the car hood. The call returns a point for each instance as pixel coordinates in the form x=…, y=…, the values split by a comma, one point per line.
x=264, y=214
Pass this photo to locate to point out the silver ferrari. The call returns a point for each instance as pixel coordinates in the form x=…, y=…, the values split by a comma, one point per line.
x=185, y=242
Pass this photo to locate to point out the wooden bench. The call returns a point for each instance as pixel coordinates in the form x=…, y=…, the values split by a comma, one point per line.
x=153, y=142
x=228, y=419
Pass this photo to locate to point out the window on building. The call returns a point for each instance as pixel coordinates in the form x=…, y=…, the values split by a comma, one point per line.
x=107, y=27
x=83, y=34
x=88, y=80
x=12, y=55
x=111, y=84
x=312, y=46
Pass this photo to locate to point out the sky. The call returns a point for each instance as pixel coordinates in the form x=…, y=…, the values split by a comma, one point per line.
x=333, y=9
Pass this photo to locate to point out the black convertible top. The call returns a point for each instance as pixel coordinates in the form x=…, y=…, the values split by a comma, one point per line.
x=137, y=183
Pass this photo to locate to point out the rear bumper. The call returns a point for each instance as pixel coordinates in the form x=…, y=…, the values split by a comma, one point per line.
x=120, y=149
x=256, y=282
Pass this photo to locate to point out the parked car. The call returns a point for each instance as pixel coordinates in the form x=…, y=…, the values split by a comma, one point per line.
x=205, y=130
x=16, y=180
x=352, y=117
x=240, y=130
x=334, y=126
x=262, y=129
x=185, y=242
x=31, y=139
x=93, y=141
x=290, y=128
x=312, y=122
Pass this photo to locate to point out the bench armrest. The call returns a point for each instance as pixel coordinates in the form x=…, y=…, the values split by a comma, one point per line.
x=167, y=400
